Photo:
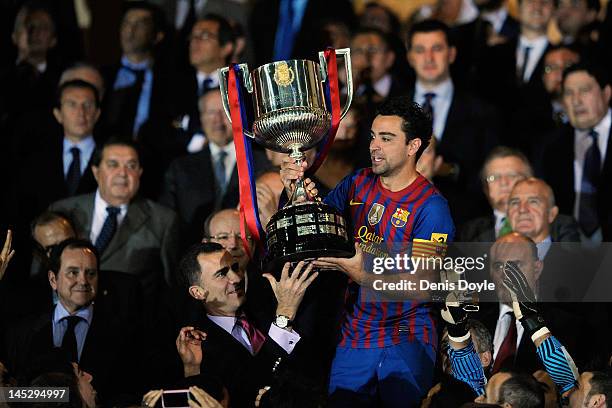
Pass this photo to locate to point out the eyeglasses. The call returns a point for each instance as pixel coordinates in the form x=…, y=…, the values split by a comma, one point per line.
x=203, y=36
x=226, y=236
x=548, y=69
x=496, y=178
x=368, y=50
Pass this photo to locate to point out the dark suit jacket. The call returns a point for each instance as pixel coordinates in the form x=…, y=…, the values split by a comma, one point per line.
x=42, y=180
x=110, y=353
x=264, y=21
x=145, y=244
x=472, y=129
x=557, y=168
x=190, y=189
x=563, y=325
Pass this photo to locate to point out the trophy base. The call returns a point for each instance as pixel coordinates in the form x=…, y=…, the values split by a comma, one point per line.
x=306, y=231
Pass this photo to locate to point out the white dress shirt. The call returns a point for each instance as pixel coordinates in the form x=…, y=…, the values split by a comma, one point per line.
x=440, y=104
x=86, y=147
x=100, y=214
x=501, y=329
x=382, y=87
x=582, y=143
x=538, y=47
x=230, y=158
x=214, y=79
x=284, y=338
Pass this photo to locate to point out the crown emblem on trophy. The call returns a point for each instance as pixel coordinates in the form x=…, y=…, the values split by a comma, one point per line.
x=283, y=74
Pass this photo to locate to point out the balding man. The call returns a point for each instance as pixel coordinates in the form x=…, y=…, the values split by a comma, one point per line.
x=511, y=348
x=198, y=184
x=223, y=227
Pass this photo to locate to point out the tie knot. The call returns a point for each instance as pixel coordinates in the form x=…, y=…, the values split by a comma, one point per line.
x=72, y=321
x=222, y=155
x=75, y=151
x=429, y=96
x=113, y=211
x=593, y=134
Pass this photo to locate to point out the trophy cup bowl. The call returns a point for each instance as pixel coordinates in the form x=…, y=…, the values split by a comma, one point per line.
x=290, y=116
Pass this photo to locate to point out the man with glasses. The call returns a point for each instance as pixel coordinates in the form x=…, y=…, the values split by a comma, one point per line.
x=198, y=184
x=502, y=169
x=223, y=227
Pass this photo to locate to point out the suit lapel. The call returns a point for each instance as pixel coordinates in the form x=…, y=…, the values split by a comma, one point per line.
x=84, y=214
x=135, y=217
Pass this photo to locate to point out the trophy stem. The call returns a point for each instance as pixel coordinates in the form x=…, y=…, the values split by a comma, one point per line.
x=299, y=194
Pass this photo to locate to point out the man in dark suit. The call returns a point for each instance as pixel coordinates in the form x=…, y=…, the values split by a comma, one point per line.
x=132, y=234
x=139, y=86
x=464, y=127
x=577, y=162
x=511, y=72
x=85, y=331
x=200, y=183
x=511, y=346
x=284, y=29
x=234, y=350
x=63, y=170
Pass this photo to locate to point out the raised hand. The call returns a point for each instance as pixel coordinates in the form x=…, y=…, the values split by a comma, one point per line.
x=523, y=298
x=290, y=290
x=7, y=253
x=189, y=347
x=456, y=317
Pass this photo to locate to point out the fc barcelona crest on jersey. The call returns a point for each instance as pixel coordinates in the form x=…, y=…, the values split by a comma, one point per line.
x=400, y=218
x=375, y=214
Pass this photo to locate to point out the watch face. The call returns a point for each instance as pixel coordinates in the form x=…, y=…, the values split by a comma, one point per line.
x=281, y=321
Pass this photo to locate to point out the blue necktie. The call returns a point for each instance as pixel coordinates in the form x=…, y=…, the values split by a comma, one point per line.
x=69, y=342
x=427, y=104
x=522, y=78
x=587, y=211
x=74, y=171
x=283, y=43
x=108, y=229
x=205, y=86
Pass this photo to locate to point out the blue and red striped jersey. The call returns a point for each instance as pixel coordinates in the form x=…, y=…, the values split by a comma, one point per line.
x=385, y=223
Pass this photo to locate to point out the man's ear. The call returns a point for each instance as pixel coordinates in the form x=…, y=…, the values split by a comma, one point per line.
x=227, y=50
x=197, y=292
x=485, y=359
x=94, y=170
x=159, y=37
x=414, y=145
x=52, y=280
x=452, y=54
x=58, y=115
x=552, y=214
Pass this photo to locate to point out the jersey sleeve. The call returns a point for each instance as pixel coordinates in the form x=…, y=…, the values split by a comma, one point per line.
x=339, y=196
x=466, y=367
x=434, y=222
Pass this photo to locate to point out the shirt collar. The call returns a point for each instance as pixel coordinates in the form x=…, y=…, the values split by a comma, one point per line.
x=227, y=323
x=102, y=205
x=383, y=85
x=496, y=18
x=215, y=149
x=135, y=66
x=543, y=247
x=443, y=90
x=84, y=144
x=201, y=76
x=539, y=42
x=61, y=313
x=503, y=309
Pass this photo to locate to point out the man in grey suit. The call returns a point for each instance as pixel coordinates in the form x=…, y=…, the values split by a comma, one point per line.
x=133, y=235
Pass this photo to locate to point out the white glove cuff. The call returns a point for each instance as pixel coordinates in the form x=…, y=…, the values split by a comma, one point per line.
x=541, y=332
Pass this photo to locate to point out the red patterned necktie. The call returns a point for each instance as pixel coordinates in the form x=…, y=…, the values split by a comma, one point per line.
x=256, y=338
x=507, y=350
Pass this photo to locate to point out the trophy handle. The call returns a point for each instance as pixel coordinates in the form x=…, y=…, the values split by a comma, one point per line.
x=223, y=82
x=346, y=53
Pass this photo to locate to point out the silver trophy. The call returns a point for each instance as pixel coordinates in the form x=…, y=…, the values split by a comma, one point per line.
x=290, y=116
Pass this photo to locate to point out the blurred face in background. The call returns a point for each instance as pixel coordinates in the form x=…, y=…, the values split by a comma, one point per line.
x=137, y=31
x=501, y=174
x=34, y=35
x=535, y=14
x=78, y=112
x=554, y=64
x=215, y=124
x=573, y=15
x=370, y=53
x=431, y=57
x=586, y=103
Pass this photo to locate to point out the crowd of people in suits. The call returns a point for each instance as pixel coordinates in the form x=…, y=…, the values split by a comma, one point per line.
x=124, y=272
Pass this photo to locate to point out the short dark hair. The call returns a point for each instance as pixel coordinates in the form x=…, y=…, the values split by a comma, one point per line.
x=428, y=26
x=594, y=70
x=381, y=34
x=522, y=390
x=29, y=8
x=601, y=383
x=159, y=20
x=501, y=152
x=416, y=124
x=226, y=31
x=394, y=21
x=76, y=83
x=189, y=267
x=55, y=259
x=96, y=157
